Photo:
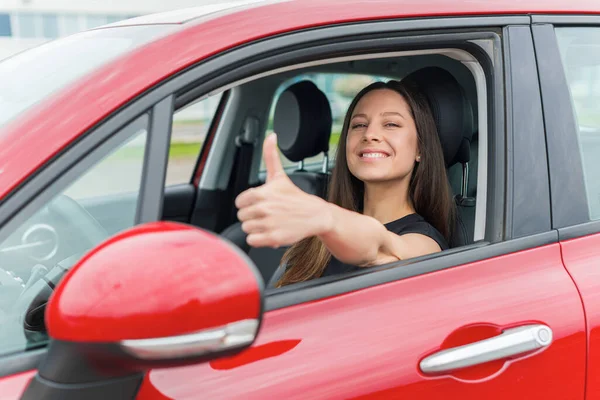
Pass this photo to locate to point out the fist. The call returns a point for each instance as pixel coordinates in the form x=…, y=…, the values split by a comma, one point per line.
x=278, y=213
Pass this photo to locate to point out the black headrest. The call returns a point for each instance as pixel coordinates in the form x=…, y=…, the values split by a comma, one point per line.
x=302, y=121
x=451, y=110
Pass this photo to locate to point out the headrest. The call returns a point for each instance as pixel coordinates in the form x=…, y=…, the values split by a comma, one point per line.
x=302, y=121
x=451, y=110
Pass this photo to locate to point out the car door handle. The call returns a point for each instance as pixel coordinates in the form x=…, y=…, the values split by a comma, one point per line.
x=511, y=342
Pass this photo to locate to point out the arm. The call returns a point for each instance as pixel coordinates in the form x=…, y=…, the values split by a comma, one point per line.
x=361, y=240
x=278, y=213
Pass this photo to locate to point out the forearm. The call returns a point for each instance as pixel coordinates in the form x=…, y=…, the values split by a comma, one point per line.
x=354, y=238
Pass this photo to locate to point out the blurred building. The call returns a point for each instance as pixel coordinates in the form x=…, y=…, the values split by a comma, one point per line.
x=28, y=23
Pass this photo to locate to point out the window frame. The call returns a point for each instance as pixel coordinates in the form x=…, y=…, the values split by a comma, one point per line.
x=310, y=291
x=568, y=193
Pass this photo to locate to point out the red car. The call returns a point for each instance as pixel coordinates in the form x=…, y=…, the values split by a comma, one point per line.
x=123, y=269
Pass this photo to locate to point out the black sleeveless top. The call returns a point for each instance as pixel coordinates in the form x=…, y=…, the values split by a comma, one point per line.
x=412, y=223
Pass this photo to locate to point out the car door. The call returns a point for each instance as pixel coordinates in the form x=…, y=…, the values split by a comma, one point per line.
x=499, y=319
x=43, y=238
x=568, y=49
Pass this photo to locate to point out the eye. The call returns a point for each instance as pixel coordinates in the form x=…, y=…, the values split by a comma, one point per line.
x=359, y=125
x=391, y=125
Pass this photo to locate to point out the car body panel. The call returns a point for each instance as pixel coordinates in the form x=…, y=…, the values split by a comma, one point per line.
x=53, y=124
x=581, y=260
x=13, y=386
x=368, y=343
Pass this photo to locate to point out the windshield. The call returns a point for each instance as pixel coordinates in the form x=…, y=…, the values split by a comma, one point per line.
x=30, y=76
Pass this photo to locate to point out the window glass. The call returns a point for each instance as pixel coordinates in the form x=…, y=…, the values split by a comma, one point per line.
x=5, y=27
x=340, y=89
x=101, y=202
x=50, y=26
x=580, y=51
x=190, y=126
x=54, y=65
x=27, y=25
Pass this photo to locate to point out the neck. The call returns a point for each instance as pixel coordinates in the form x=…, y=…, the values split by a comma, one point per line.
x=386, y=201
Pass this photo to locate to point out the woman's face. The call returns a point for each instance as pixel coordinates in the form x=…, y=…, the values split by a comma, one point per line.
x=382, y=143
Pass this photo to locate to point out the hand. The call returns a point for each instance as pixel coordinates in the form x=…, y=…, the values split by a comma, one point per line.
x=278, y=213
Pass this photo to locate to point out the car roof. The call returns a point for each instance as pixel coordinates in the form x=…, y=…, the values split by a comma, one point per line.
x=204, y=33
x=398, y=8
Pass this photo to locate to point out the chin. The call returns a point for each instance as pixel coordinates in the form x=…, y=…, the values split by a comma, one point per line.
x=374, y=178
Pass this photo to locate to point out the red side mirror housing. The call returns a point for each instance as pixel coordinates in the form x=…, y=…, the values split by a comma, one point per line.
x=160, y=294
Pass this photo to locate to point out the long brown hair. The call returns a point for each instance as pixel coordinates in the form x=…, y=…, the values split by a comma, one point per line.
x=429, y=189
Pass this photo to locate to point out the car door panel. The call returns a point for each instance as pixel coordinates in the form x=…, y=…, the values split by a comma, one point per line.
x=581, y=259
x=568, y=63
x=369, y=343
x=13, y=386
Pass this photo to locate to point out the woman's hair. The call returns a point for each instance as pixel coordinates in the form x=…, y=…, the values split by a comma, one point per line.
x=429, y=189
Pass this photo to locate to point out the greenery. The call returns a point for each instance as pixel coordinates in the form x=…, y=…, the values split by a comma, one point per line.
x=185, y=150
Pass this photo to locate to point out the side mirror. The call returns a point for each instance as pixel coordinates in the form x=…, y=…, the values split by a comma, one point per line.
x=158, y=295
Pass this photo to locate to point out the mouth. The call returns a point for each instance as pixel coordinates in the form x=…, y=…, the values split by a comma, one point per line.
x=373, y=154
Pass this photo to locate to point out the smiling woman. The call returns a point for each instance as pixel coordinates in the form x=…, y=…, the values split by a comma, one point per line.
x=389, y=198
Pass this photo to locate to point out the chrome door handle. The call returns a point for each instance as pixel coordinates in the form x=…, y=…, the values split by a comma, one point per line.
x=509, y=343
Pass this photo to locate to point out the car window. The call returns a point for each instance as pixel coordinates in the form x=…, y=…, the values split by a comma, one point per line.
x=54, y=65
x=340, y=89
x=190, y=126
x=101, y=201
x=580, y=52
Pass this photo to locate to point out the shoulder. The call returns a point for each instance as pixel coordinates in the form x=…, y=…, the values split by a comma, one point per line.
x=415, y=227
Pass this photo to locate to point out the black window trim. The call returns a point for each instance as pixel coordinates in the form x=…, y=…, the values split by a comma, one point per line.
x=529, y=212
x=570, y=214
x=208, y=75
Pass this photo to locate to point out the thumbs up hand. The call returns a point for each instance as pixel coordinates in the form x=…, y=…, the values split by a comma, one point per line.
x=278, y=213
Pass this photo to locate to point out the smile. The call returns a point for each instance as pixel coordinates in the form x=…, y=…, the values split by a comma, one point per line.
x=374, y=155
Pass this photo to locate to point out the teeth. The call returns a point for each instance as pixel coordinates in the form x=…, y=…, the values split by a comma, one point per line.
x=374, y=155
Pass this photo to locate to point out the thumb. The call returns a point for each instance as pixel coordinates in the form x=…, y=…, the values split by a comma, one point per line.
x=271, y=158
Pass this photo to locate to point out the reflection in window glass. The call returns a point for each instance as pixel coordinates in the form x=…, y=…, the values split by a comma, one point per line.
x=70, y=24
x=50, y=26
x=580, y=51
x=27, y=25
x=52, y=66
x=5, y=28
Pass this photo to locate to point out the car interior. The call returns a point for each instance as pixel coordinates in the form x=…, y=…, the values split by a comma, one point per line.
x=302, y=118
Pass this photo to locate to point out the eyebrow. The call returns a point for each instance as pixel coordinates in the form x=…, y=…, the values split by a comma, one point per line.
x=385, y=114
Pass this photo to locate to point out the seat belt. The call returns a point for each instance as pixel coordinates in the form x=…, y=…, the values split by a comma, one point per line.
x=245, y=143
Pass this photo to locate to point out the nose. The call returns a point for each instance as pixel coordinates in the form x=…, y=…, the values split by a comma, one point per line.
x=371, y=134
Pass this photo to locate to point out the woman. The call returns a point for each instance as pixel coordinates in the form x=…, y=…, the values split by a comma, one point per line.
x=389, y=197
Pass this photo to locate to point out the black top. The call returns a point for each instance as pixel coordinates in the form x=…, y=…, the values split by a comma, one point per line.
x=412, y=223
